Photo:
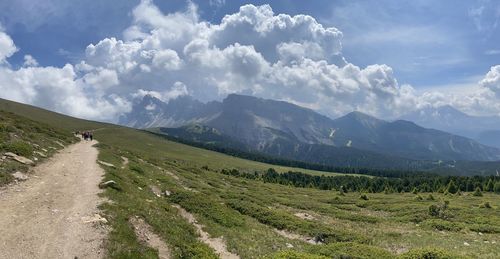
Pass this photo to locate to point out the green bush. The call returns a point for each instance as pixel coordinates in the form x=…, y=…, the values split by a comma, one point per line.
x=485, y=205
x=5, y=178
x=294, y=255
x=419, y=198
x=208, y=207
x=363, y=197
x=427, y=253
x=350, y=250
x=283, y=220
x=484, y=228
x=440, y=224
x=477, y=192
x=439, y=210
x=7, y=128
x=430, y=197
x=136, y=169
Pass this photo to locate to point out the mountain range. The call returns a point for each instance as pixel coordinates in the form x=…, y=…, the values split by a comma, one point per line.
x=286, y=130
x=484, y=129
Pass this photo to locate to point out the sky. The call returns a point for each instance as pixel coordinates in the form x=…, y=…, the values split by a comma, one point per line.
x=92, y=59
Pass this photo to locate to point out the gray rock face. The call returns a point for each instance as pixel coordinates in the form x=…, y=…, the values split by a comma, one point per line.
x=152, y=112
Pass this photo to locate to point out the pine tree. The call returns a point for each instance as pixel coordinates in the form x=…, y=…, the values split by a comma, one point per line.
x=478, y=192
x=452, y=187
x=489, y=186
x=496, y=189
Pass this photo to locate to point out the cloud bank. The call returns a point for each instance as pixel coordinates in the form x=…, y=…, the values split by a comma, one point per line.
x=253, y=51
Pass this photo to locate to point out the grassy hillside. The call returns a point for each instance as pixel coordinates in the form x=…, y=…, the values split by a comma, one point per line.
x=154, y=144
x=29, y=139
x=269, y=220
x=53, y=119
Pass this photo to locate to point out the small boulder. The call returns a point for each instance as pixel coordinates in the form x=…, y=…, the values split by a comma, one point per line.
x=107, y=184
x=20, y=159
x=20, y=176
x=167, y=193
x=106, y=164
x=40, y=154
x=95, y=219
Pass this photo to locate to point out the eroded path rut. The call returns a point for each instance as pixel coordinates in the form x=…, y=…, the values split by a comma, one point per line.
x=48, y=215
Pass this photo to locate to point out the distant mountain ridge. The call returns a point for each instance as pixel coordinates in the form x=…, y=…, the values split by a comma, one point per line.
x=449, y=119
x=152, y=112
x=287, y=130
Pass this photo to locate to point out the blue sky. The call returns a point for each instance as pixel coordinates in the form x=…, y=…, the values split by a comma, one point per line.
x=427, y=43
x=93, y=59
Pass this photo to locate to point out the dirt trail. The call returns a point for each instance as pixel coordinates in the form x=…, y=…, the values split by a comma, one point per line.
x=146, y=234
x=48, y=215
x=124, y=162
x=217, y=243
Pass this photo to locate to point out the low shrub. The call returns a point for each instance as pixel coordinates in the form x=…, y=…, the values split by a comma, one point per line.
x=136, y=168
x=283, y=220
x=208, y=207
x=484, y=228
x=18, y=147
x=350, y=250
x=427, y=253
x=443, y=225
x=485, y=205
x=477, y=192
x=363, y=197
x=294, y=255
x=440, y=210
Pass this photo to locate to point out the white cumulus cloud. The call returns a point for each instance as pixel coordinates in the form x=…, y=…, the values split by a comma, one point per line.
x=253, y=51
x=7, y=47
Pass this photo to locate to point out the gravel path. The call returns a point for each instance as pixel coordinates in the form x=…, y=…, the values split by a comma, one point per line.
x=54, y=213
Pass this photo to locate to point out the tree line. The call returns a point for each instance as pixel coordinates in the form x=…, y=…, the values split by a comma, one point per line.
x=350, y=183
x=268, y=159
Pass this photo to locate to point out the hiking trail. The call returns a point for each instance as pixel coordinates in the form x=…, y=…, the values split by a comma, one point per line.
x=54, y=213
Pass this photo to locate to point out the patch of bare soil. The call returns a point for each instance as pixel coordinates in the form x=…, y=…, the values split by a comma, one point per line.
x=145, y=234
x=289, y=235
x=54, y=213
x=304, y=215
x=124, y=162
x=217, y=244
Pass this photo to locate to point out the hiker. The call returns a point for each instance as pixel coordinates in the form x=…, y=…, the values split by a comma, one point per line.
x=90, y=136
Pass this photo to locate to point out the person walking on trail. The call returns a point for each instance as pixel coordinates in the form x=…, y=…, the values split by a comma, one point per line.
x=91, y=136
